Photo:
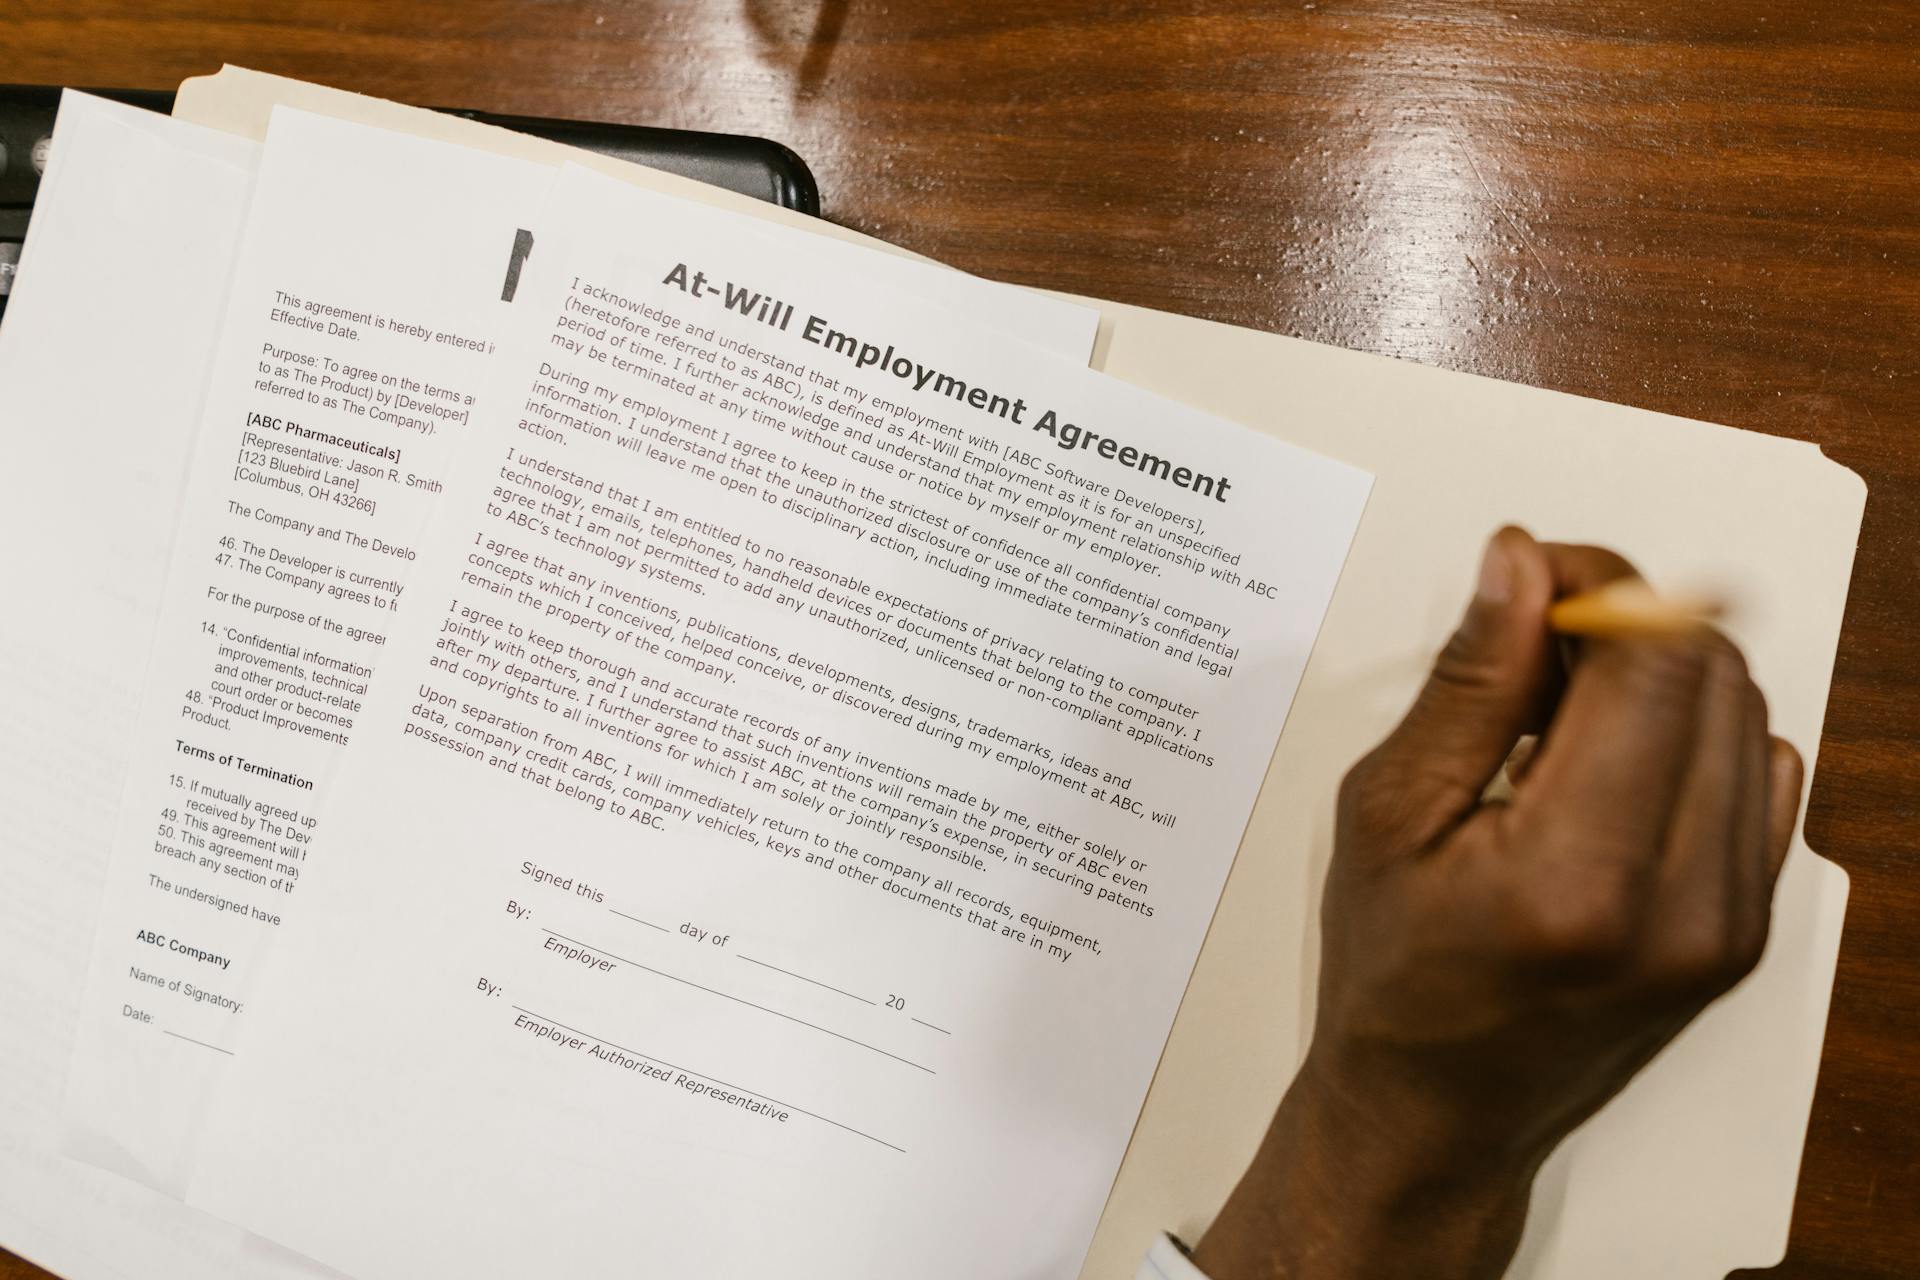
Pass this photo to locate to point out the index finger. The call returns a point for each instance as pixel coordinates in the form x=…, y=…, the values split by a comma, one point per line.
x=1573, y=569
x=1615, y=753
x=1577, y=568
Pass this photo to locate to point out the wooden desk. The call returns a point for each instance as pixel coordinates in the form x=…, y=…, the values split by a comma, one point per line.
x=1709, y=209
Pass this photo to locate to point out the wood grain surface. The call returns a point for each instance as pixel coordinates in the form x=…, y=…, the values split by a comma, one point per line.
x=1709, y=209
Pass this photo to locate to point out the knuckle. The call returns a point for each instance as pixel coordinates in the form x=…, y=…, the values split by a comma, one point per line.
x=1604, y=562
x=1465, y=665
x=1665, y=673
x=1711, y=962
x=1699, y=966
x=1586, y=566
x=1795, y=767
x=1356, y=782
x=1743, y=957
x=1725, y=660
x=1590, y=923
x=1371, y=800
x=1597, y=560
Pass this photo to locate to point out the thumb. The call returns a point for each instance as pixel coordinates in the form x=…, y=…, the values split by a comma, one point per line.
x=1489, y=686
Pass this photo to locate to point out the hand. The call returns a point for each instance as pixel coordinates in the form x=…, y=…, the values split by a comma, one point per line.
x=1494, y=971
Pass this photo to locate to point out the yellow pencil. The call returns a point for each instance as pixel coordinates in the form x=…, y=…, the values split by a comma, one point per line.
x=1630, y=607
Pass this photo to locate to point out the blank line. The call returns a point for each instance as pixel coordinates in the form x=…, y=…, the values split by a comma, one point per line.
x=804, y=978
x=737, y=1000
x=765, y=1097
x=923, y=1022
x=637, y=920
x=202, y=1043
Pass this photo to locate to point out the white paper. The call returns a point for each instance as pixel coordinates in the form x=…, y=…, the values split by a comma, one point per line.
x=249, y=628
x=839, y=925
x=357, y=338
x=102, y=358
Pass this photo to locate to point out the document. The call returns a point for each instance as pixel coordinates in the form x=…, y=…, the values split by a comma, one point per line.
x=355, y=344
x=132, y=243
x=799, y=781
x=314, y=468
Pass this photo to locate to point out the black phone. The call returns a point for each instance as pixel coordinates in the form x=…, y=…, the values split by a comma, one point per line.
x=752, y=166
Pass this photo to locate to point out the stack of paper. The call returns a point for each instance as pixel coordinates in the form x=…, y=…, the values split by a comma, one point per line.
x=566, y=720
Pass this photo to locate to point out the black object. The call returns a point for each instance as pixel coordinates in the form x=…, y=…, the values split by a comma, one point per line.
x=751, y=166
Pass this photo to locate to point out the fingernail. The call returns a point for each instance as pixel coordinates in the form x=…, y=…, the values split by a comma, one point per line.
x=1496, y=574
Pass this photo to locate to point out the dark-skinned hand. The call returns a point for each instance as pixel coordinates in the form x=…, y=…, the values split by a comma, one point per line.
x=1493, y=970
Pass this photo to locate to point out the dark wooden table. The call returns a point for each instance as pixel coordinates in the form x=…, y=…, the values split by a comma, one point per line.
x=1709, y=209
